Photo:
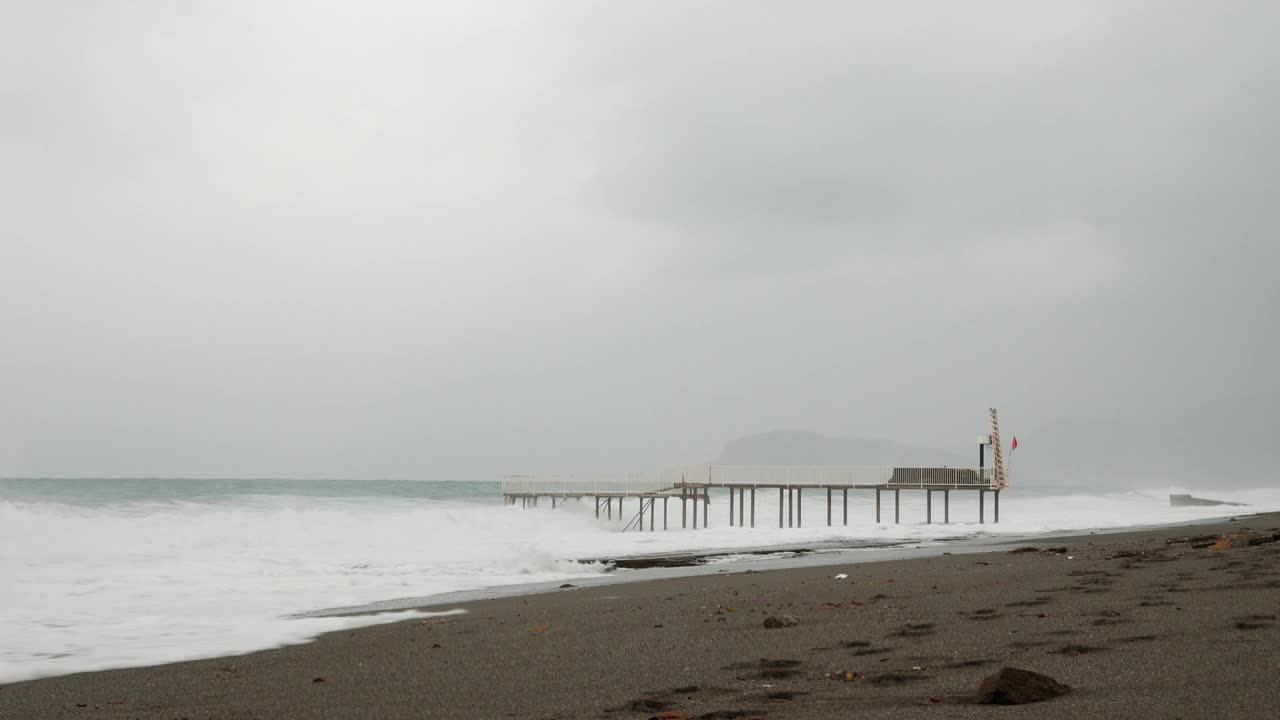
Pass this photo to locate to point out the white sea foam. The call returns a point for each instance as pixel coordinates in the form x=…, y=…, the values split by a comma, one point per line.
x=137, y=583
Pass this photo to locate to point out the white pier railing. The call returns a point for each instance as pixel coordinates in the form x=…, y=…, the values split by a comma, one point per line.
x=570, y=485
x=834, y=476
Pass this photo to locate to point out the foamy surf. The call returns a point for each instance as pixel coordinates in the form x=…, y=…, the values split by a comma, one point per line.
x=128, y=581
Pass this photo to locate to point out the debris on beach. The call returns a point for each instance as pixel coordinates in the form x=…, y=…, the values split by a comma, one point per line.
x=844, y=676
x=1211, y=538
x=839, y=605
x=895, y=678
x=1229, y=541
x=1015, y=686
x=842, y=576
x=567, y=585
x=1135, y=554
x=774, y=622
x=1039, y=551
x=1244, y=539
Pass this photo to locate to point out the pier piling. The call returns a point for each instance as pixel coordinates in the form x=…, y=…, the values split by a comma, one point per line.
x=738, y=481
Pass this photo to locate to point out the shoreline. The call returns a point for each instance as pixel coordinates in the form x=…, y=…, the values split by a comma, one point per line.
x=690, y=564
x=1140, y=623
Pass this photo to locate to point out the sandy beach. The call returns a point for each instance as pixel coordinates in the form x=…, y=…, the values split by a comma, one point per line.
x=1156, y=623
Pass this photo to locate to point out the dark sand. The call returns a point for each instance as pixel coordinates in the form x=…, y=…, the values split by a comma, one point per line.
x=1140, y=627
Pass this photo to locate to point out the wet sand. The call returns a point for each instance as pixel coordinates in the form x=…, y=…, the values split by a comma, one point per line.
x=1140, y=624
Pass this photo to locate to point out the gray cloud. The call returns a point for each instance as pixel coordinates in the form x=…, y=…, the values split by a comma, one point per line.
x=452, y=241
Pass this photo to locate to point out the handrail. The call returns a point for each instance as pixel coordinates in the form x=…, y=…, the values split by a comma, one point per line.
x=670, y=479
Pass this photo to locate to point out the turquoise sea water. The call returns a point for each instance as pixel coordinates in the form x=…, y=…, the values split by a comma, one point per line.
x=105, y=491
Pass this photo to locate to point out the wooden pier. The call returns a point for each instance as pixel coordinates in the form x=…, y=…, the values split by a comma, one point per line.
x=695, y=485
x=692, y=485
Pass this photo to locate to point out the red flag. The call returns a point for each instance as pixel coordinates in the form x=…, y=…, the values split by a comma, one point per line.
x=1015, y=444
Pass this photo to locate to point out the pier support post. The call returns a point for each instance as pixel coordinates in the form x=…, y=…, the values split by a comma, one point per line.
x=730, y=507
x=653, y=510
x=684, y=508
x=742, y=519
x=946, y=507
x=695, y=512
x=780, y=504
x=597, y=507
x=640, y=515
x=982, y=506
x=828, y=507
x=799, y=508
x=791, y=508
x=664, y=512
x=846, y=505
x=706, y=508
x=995, y=499
x=753, y=507
x=553, y=502
x=928, y=507
x=877, y=505
x=897, y=506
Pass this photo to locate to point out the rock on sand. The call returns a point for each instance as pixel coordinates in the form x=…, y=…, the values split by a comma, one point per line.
x=1015, y=686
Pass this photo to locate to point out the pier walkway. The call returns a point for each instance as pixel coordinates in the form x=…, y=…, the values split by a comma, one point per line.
x=692, y=486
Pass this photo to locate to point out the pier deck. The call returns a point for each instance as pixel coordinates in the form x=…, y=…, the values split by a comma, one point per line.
x=693, y=486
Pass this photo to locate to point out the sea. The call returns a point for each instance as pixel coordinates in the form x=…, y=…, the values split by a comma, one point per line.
x=110, y=573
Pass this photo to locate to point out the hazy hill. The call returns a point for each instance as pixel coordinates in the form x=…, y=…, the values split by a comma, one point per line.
x=1229, y=443
x=802, y=447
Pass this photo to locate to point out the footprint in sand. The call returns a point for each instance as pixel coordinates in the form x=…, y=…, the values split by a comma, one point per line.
x=1255, y=622
x=911, y=630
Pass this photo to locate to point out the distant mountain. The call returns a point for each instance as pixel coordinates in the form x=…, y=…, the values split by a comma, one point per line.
x=802, y=447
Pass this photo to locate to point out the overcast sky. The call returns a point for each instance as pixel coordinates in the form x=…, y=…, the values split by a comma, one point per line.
x=454, y=240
